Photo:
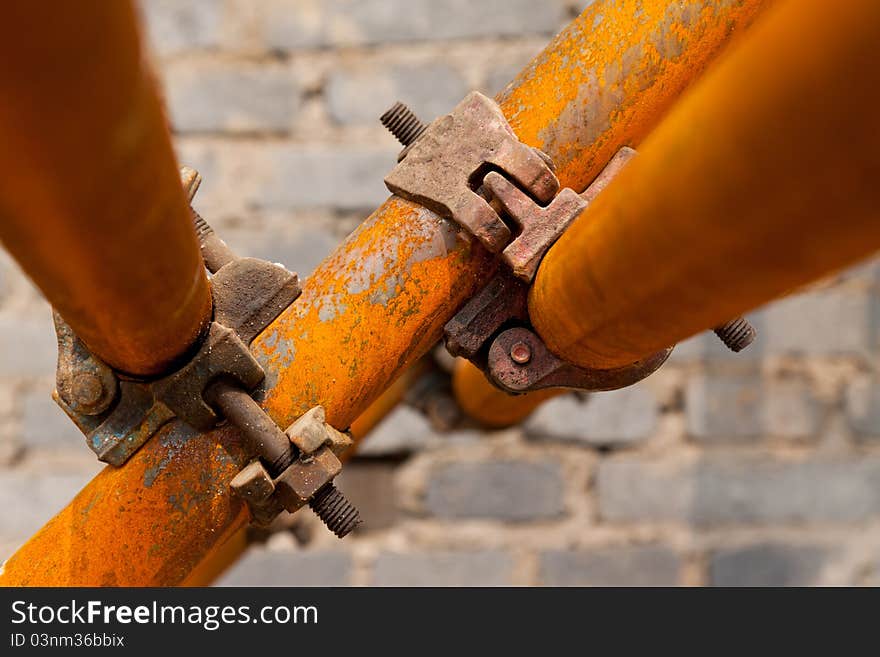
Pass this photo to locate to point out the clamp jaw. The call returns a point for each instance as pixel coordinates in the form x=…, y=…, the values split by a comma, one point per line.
x=470, y=167
x=118, y=414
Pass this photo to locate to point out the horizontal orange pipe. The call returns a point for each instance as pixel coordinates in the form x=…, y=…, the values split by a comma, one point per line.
x=90, y=199
x=762, y=179
x=368, y=311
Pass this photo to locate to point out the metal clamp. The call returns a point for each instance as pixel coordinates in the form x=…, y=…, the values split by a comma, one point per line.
x=454, y=167
x=493, y=329
x=118, y=415
x=519, y=361
x=444, y=165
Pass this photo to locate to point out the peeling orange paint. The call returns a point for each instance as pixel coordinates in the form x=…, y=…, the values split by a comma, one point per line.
x=610, y=76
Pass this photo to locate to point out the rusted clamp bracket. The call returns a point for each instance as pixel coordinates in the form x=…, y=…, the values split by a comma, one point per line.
x=493, y=329
x=118, y=414
x=519, y=361
x=443, y=167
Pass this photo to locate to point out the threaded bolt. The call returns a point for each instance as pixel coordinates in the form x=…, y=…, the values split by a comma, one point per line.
x=203, y=230
x=330, y=505
x=215, y=252
x=737, y=334
x=403, y=123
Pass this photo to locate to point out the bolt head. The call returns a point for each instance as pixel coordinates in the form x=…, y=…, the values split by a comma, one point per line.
x=87, y=389
x=520, y=353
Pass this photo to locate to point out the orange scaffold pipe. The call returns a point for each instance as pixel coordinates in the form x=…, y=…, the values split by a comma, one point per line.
x=90, y=201
x=763, y=178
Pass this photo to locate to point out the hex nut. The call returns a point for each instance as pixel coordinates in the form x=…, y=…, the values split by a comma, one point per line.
x=253, y=484
x=309, y=431
x=305, y=477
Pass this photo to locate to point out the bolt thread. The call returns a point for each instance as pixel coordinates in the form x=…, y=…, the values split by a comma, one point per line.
x=203, y=230
x=331, y=506
x=403, y=123
x=737, y=334
x=215, y=252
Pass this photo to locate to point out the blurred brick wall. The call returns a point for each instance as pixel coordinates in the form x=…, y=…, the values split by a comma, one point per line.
x=758, y=469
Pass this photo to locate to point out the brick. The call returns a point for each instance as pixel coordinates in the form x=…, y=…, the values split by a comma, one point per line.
x=621, y=417
x=370, y=487
x=30, y=499
x=501, y=490
x=769, y=564
x=824, y=323
x=205, y=159
x=361, y=96
x=28, y=344
x=231, y=97
x=443, y=569
x=732, y=489
x=292, y=24
x=618, y=566
x=240, y=176
x=737, y=408
x=863, y=406
x=174, y=26
x=723, y=408
x=262, y=567
x=44, y=424
x=790, y=410
x=632, y=490
x=403, y=431
x=344, y=178
x=406, y=430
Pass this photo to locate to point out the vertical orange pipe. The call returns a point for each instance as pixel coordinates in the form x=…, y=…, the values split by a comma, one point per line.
x=91, y=204
x=762, y=179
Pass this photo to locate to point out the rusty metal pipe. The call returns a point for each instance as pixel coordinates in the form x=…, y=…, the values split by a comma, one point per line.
x=373, y=307
x=91, y=204
x=762, y=179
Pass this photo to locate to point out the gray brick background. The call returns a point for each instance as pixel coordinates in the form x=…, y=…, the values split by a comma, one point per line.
x=759, y=469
